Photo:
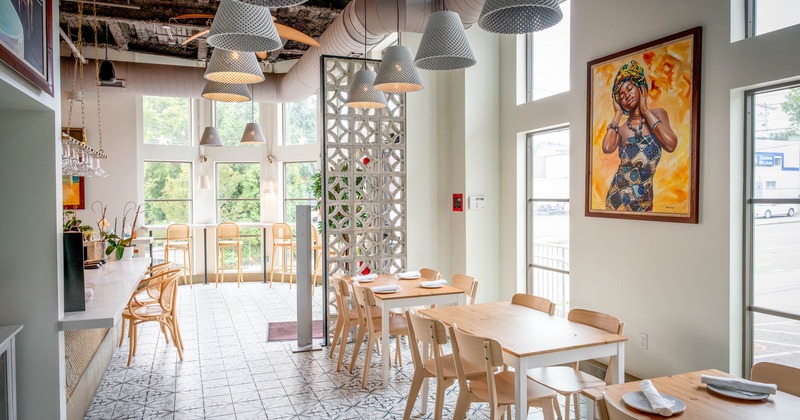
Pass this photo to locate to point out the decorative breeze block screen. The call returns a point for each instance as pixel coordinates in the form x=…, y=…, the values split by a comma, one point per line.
x=364, y=174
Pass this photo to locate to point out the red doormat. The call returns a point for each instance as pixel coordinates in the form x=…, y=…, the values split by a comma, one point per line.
x=287, y=331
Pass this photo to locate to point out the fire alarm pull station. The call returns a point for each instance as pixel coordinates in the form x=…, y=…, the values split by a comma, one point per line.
x=458, y=202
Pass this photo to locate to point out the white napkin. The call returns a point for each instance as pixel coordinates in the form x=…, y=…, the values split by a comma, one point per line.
x=387, y=288
x=659, y=404
x=410, y=275
x=739, y=384
x=370, y=276
x=435, y=283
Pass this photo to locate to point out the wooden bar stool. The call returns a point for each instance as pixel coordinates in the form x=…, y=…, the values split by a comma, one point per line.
x=178, y=239
x=316, y=247
x=282, y=240
x=228, y=237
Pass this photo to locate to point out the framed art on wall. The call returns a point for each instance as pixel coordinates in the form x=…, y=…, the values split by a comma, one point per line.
x=74, y=196
x=643, y=125
x=26, y=40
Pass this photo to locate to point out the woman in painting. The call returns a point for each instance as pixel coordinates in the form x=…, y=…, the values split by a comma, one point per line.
x=640, y=139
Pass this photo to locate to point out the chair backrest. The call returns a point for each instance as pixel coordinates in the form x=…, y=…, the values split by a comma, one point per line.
x=314, y=236
x=281, y=233
x=534, y=302
x=227, y=230
x=177, y=231
x=430, y=273
x=341, y=289
x=601, y=321
x=479, y=353
x=426, y=331
x=168, y=299
x=365, y=300
x=155, y=271
x=786, y=377
x=613, y=411
x=158, y=283
x=468, y=284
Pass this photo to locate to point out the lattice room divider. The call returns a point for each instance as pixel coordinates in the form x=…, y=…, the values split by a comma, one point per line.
x=364, y=176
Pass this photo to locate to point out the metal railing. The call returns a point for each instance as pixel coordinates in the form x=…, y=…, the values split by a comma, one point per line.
x=550, y=274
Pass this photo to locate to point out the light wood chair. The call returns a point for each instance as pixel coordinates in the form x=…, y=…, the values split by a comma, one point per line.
x=496, y=388
x=534, y=302
x=568, y=380
x=179, y=239
x=282, y=240
x=228, y=237
x=786, y=377
x=431, y=334
x=612, y=411
x=468, y=284
x=430, y=274
x=165, y=312
x=346, y=320
x=316, y=248
x=146, y=295
x=370, y=326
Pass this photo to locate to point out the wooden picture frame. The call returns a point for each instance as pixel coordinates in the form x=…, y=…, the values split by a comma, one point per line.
x=643, y=131
x=74, y=194
x=26, y=44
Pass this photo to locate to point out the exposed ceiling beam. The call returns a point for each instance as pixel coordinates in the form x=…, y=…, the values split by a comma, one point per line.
x=202, y=49
x=106, y=4
x=72, y=46
x=120, y=40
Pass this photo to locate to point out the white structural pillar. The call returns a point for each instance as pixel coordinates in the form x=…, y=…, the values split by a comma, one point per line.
x=305, y=341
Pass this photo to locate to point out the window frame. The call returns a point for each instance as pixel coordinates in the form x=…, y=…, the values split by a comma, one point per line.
x=217, y=200
x=191, y=121
x=748, y=249
x=285, y=189
x=256, y=119
x=529, y=51
x=168, y=200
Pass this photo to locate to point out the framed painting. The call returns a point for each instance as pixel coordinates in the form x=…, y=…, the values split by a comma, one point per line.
x=642, y=131
x=26, y=40
x=73, y=192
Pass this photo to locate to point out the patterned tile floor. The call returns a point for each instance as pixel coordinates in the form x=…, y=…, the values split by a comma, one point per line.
x=230, y=371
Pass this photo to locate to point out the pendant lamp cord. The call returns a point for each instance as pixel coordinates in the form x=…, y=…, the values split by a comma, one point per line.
x=97, y=75
x=398, y=23
x=365, y=34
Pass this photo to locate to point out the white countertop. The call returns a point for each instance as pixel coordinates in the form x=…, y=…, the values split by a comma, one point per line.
x=113, y=286
x=8, y=332
x=212, y=225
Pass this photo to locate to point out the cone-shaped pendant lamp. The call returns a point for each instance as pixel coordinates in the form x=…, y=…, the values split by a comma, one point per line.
x=444, y=44
x=276, y=3
x=210, y=138
x=234, y=67
x=519, y=16
x=226, y=92
x=240, y=26
x=362, y=90
x=253, y=134
x=107, y=74
x=397, y=73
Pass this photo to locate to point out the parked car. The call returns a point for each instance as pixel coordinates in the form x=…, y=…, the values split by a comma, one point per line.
x=768, y=210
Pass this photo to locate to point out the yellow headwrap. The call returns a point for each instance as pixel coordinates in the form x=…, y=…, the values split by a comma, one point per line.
x=630, y=72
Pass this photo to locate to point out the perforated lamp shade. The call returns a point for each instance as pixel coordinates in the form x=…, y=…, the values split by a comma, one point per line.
x=226, y=92
x=240, y=26
x=276, y=3
x=253, y=134
x=397, y=73
x=210, y=138
x=234, y=67
x=362, y=92
x=519, y=16
x=444, y=44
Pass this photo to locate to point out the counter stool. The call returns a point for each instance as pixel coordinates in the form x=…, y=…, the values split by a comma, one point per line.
x=316, y=248
x=228, y=237
x=178, y=239
x=282, y=240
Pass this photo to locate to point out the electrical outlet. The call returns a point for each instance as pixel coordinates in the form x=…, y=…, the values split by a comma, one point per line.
x=643, y=340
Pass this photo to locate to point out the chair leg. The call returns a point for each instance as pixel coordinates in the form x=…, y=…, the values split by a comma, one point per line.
x=239, y=277
x=462, y=405
x=367, y=361
x=566, y=406
x=398, y=359
x=216, y=274
x=164, y=331
x=222, y=266
x=135, y=338
x=122, y=333
x=274, y=264
x=189, y=259
x=357, y=346
x=557, y=407
x=342, y=345
x=441, y=387
x=132, y=340
x=172, y=332
x=416, y=384
x=291, y=266
x=174, y=320
x=337, y=331
x=577, y=402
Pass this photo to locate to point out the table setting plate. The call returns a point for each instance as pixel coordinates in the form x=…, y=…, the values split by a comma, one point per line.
x=637, y=400
x=734, y=393
x=432, y=287
x=408, y=277
x=364, y=281
x=383, y=292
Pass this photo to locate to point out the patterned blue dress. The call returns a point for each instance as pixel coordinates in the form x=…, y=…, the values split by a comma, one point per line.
x=632, y=186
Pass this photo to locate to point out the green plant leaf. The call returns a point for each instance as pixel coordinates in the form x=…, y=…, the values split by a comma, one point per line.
x=126, y=242
x=120, y=251
x=109, y=249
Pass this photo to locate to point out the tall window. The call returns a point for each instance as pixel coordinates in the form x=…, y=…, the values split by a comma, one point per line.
x=770, y=15
x=773, y=232
x=548, y=216
x=238, y=200
x=298, y=179
x=547, y=61
x=167, y=198
x=231, y=119
x=300, y=122
x=165, y=121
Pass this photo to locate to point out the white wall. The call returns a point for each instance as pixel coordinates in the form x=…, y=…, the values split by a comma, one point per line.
x=679, y=283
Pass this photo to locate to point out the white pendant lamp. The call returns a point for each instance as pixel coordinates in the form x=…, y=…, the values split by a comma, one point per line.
x=362, y=90
x=397, y=73
x=226, y=92
x=444, y=44
x=210, y=138
x=252, y=132
x=233, y=67
x=240, y=26
x=203, y=182
x=519, y=16
x=273, y=4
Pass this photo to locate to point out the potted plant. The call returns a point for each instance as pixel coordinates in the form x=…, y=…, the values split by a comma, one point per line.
x=122, y=248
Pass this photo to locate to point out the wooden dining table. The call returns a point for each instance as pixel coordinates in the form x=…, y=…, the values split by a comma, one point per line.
x=410, y=294
x=532, y=339
x=700, y=402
